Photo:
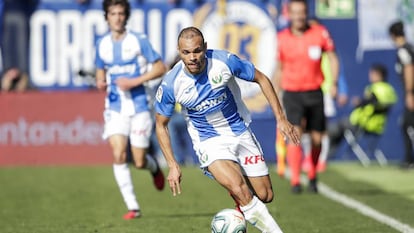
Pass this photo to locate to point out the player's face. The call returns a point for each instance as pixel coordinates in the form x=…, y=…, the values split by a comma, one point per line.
x=297, y=15
x=116, y=18
x=192, y=51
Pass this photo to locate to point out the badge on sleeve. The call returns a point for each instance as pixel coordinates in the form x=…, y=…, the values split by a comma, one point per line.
x=159, y=93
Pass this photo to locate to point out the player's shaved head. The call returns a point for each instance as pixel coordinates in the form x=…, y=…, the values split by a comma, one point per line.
x=192, y=49
x=190, y=33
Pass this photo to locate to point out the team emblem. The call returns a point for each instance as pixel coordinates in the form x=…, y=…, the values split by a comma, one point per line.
x=217, y=79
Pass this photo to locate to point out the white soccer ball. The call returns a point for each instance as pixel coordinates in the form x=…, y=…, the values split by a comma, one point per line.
x=228, y=221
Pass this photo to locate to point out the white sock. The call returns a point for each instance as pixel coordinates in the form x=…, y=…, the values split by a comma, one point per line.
x=325, y=148
x=257, y=214
x=123, y=178
x=151, y=164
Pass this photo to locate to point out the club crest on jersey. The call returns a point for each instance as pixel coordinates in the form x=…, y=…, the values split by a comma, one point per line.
x=217, y=79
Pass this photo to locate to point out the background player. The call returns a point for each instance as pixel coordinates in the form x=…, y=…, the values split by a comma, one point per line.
x=300, y=76
x=204, y=84
x=123, y=60
x=405, y=68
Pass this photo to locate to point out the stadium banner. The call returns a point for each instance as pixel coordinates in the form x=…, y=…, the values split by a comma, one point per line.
x=373, y=23
x=52, y=128
x=63, y=36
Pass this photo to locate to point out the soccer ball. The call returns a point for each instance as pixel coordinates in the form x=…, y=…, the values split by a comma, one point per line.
x=228, y=221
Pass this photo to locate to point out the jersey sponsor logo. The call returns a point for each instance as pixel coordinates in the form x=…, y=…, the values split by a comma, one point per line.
x=159, y=93
x=253, y=159
x=126, y=69
x=206, y=104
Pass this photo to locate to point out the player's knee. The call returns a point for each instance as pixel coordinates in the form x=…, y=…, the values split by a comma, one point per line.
x=139, y=164
x=265, y=195
x=119, y=157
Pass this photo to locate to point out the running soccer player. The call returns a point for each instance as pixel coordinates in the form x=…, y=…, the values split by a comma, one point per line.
x=203, y=82
x=300, y=77
x=122, y=66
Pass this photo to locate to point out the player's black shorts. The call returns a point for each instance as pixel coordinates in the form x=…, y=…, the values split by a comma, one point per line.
x=305, y=108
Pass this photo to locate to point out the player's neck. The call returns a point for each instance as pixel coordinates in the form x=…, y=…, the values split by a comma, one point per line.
x=400, y=41
x=118, y=35
x=298, y=31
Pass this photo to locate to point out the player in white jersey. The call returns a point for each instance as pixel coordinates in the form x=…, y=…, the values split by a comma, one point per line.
x=124, y=61
x=203, y=82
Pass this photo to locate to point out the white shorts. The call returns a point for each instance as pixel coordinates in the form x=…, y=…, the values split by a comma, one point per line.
x=137, y=127
x=243, y=149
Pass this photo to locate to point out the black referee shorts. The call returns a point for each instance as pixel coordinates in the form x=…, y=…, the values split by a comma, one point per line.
x=305, y=106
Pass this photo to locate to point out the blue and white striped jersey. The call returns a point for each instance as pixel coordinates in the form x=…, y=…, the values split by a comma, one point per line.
x=211, y=99
x=130, y=58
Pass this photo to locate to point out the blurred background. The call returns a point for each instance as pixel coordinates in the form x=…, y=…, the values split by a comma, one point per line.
x=50, y=112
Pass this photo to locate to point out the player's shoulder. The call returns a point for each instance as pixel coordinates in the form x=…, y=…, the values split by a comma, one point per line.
x=284, y=32
x=319, y=30
x=318, y=27
x=138, y=35
x=103, y=39
x=284, y=35
x=218, y=54
x=408, y=47
x=173, y=74
x=406, y=54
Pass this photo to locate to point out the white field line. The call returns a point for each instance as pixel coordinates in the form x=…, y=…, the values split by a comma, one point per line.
x=363, y=209
x=360, y=207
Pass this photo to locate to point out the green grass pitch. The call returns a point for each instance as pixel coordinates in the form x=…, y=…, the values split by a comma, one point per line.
x=87, y=200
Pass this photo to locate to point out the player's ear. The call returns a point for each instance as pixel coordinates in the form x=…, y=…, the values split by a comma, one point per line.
x=205, y=46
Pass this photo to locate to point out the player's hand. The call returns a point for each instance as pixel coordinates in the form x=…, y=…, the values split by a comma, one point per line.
x=101, y=85
x=334, y=90
x=342, y=100
x=126, y=83
x=174, y=179
x=289, y=131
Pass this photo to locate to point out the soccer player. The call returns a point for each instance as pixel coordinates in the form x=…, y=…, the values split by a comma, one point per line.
x=203, y=82
x=123, y=60
x=405, y=68
x=300, y=77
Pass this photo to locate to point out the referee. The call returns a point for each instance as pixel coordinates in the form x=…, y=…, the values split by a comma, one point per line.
x=299, y=75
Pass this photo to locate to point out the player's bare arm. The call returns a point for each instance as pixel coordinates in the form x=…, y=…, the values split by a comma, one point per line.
x=409, y=86
x=100, y=79
x=283, y=124
x=277, y=77
x=158, y=69
x=334, y=63
x=174, y=176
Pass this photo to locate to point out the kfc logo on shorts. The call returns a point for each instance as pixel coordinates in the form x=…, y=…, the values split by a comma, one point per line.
x=140, y=132
x=253, y=159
